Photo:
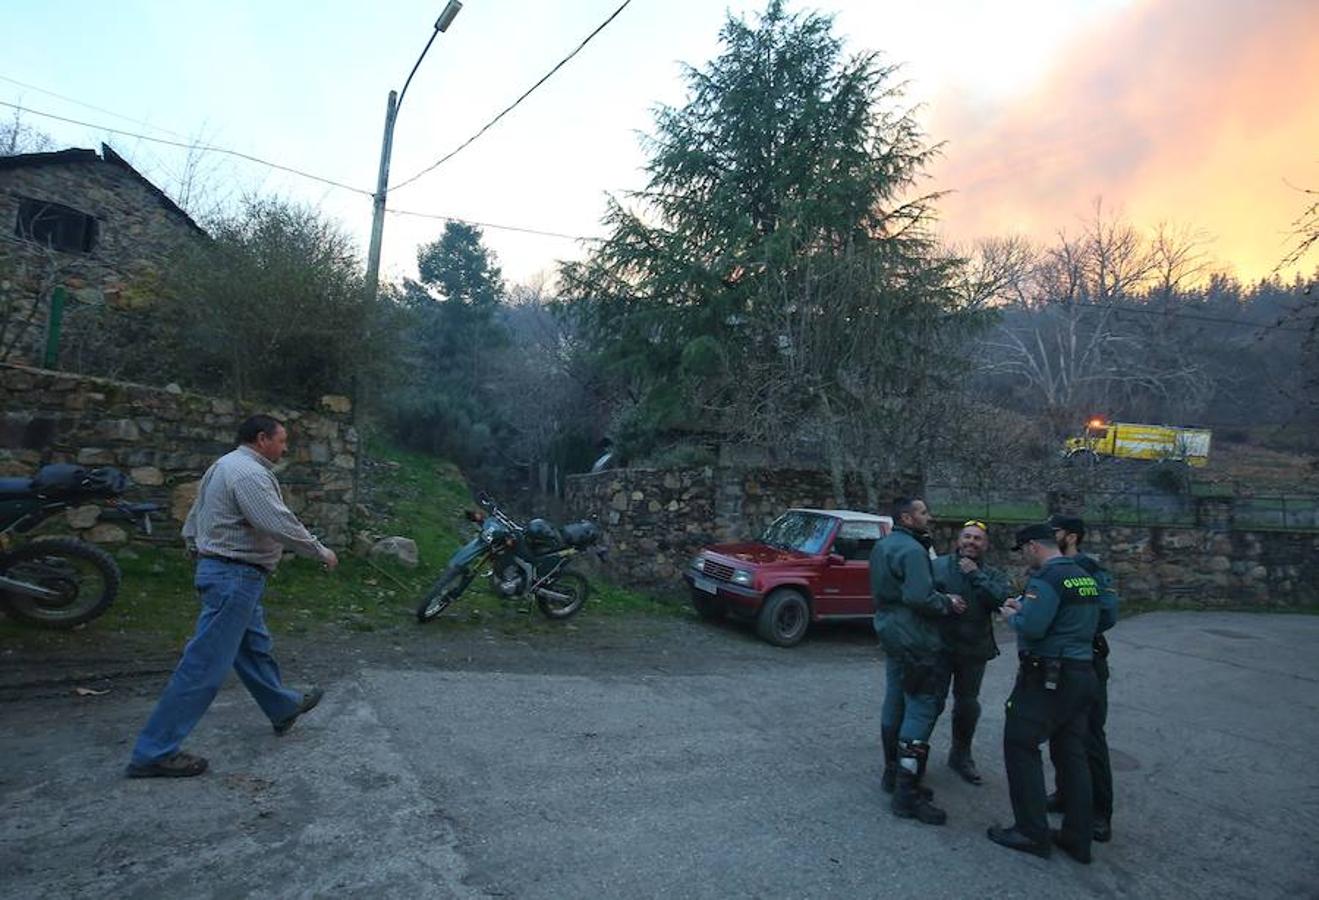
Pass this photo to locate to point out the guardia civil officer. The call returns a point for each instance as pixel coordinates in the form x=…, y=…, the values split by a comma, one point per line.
x=1056, y=619
x=908, y=610
x=970, y=636
x=1069, y=532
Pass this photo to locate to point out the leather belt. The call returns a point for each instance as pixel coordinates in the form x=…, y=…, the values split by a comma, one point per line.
x=237, y=562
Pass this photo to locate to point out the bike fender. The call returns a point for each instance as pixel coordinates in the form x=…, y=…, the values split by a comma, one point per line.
x=467, y=553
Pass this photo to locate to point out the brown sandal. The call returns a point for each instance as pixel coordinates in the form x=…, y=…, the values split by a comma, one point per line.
x=180, y=765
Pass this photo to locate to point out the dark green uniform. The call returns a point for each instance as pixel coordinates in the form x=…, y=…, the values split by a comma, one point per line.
x=1055, y=688
x=1096, y=740
x=970, y=639
x=908, y=609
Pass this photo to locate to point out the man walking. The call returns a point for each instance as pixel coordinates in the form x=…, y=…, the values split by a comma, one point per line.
x=1069, y=531
x=907, y=614
x=1055, y=620
x=970, y=636
x=237, y=528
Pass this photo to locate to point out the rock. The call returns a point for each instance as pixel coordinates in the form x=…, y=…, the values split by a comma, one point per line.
x=343, y=461
x=173, y=388
x=82, y=516
x=95, y=456
x=148, y=476
x=619, y=501
x=336, y=403
x=181, y=499
x=106, y=533
x=400, y=549
x=319, y=452
x=120, y=430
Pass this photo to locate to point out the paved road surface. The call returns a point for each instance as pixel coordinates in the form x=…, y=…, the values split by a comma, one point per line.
x=652, y=758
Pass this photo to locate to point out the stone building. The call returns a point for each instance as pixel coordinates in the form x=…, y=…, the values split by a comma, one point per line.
x=87, y=222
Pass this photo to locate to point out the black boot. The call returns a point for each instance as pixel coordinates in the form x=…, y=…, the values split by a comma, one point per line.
x=960, y=761
x=889, y=780
x=909, y=802
x=888, y=739
x=966, y=713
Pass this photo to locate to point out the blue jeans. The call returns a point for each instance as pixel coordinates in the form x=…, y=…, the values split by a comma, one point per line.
x=231, y=634
x=912, y=714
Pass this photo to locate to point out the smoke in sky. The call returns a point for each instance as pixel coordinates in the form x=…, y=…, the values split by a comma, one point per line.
x=1202, y=113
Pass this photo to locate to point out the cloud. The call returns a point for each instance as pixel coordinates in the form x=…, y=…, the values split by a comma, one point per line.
x=1190, y=111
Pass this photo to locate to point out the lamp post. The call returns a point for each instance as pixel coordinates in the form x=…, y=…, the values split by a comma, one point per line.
x=386, y=149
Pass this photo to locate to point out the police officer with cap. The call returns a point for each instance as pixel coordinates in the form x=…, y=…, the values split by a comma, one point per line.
x=1056, y=619
x=1069, y=532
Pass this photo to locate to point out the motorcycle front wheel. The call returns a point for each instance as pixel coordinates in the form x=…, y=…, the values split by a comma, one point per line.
x=446, y=589
x=563, y=596
x=83, y=577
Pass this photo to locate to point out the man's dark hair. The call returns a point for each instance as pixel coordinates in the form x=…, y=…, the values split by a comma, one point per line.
x=903, y=505
x=255, y=425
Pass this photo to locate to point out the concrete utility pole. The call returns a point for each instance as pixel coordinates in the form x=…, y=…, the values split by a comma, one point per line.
x=371, y=288
x=378, y=201
x=386, y=150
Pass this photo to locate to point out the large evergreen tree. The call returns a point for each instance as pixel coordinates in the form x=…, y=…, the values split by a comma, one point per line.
x=778, y=261
x=446, y=404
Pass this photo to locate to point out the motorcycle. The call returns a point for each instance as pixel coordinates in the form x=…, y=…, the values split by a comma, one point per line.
x=60, y=582
x=520, y=561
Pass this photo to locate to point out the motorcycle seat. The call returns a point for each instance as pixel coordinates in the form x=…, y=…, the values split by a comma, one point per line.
x=15, y=488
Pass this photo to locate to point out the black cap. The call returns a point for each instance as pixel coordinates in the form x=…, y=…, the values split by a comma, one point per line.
x=1041, y=532
x=1074, y=524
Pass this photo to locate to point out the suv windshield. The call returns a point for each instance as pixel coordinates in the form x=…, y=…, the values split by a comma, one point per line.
x=800, y=531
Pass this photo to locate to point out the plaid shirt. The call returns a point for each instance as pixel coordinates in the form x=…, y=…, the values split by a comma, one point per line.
x=239, y=513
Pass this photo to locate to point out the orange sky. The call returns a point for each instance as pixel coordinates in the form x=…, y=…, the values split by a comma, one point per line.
x=1194, y=112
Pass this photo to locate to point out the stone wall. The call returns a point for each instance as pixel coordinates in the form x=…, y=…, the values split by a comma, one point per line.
x=655, y=521
x=139, y=231
x=1188, y=565
x=164, y=439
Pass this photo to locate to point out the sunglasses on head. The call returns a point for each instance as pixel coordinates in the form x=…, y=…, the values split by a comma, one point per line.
x=977, y=523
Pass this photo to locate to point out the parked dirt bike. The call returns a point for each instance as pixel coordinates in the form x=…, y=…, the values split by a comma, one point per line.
x=520, y=561
x=60, y=582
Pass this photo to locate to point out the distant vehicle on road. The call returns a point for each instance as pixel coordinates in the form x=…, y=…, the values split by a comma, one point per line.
x=1127, y=440
x=809, y=565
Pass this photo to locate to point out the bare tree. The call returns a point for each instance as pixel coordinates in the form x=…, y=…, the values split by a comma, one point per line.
x=29, y=273
x=1066, y=335
x=17, y=137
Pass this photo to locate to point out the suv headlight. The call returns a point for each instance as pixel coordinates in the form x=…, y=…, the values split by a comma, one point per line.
x=742, y=576
x=698, y=562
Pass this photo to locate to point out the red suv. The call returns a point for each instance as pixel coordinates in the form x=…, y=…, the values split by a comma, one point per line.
x=809, y=565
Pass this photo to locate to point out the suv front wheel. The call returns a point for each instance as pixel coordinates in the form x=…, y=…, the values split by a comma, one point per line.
x=784, y=617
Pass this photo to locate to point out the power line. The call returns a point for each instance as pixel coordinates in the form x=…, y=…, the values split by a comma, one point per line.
x=518, y=228
x=108, y=112
x=205, y=148
x=546, y=77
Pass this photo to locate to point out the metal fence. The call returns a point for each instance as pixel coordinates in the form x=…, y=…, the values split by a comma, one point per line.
x=1279, y=512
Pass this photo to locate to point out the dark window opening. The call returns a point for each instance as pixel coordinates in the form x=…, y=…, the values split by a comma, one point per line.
x=56, y=226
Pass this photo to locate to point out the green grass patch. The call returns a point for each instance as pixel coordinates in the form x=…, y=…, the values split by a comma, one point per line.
x=992, y=512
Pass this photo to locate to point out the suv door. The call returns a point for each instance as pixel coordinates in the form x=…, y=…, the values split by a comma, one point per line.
x=847, y=586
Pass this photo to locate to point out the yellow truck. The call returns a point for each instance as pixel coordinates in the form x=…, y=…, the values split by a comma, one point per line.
x=1126, y=440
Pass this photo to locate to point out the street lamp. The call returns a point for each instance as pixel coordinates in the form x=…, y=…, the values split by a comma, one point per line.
x=386, y=149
